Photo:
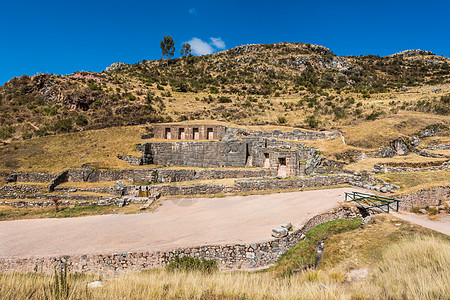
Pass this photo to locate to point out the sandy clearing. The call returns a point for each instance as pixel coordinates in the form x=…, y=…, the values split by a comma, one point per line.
x=442, y=225
x=177, y=223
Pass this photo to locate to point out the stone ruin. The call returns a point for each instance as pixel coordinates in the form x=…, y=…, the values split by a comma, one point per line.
x=219, y=146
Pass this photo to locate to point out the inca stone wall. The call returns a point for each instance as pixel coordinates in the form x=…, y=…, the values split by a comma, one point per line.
x=174, y=175
x=380, y=168
x=227, y=256
x=89, y=175
x=296, y=134
x=251, y=151
x=188, y=132
x=196, y=154
x=33, y=177
x=431, y=197
x=243, y=185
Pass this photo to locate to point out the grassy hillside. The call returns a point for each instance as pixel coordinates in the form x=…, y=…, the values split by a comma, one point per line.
x=285, y=83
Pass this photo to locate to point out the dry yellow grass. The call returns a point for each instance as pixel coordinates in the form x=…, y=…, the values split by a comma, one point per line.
x=8, y=213
x=53, y=154
x=367, y=164
x=416, y=181
x=373, y=134
x=39, y=184
x=331, y=147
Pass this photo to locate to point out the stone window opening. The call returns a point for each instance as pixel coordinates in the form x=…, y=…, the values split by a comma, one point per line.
x=181, y=134
x=282, y=161
x=168, y=135
x=196, y=134
x=209, y=134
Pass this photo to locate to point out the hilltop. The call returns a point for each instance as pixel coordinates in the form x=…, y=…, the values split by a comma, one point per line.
x=286, y=83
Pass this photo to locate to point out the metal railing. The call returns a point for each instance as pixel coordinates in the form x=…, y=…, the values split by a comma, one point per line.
x=371, y=201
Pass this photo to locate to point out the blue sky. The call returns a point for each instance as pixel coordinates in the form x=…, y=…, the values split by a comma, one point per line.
x=62, y=37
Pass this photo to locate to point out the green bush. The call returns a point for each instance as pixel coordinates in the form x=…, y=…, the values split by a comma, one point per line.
x=186, y=263
x=63, y=125
x=432, y=211
x=282, y=120
x=223, y=99
x=312, y=121
x=374, y=115
x=414, y=209
x=6, y=133
x=81, y=121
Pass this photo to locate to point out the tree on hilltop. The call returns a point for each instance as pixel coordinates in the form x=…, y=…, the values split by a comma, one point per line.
x=185, y=49
x=167, y=47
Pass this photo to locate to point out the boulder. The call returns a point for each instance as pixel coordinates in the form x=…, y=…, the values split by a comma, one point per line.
x=386, y=151
x=11, y=178
x=286, y=225
x=400, y=147
x=279, y=232
x=96, y=284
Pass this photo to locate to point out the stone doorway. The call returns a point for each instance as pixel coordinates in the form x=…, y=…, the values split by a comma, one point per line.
x=282, y=168
x=266, y=161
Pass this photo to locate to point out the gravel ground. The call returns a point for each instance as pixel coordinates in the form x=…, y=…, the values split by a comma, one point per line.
x=177, y=223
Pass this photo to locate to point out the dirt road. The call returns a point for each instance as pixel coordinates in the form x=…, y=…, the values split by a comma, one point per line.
x=442, y=225
x=177, y=223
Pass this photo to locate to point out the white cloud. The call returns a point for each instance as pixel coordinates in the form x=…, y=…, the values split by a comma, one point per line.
x=192, y=11
x=200, y=47
x=218, y=43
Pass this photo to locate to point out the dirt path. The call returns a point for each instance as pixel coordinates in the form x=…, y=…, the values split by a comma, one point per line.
x=177, y=223
x=442, y=225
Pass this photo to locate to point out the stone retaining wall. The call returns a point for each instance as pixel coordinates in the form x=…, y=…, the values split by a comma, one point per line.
x=380, y=168
x=227, y=256
x=243, y=185
x=34, y=177
x=295, y=135
x=107, y=201
x=429, y=197
x=175, y=175
x=438, y=147
x=316, y=181
x=89, y=175
x=102, y=190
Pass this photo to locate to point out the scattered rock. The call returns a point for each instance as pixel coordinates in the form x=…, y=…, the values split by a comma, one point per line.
x=436, y=90
x=357, y=275
x=279, y=232
x=96, y=284
x=147, y=136
x=286, y=225
x=11, y=178
x=386, y=151
x=147, y=205
x=400, y=147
